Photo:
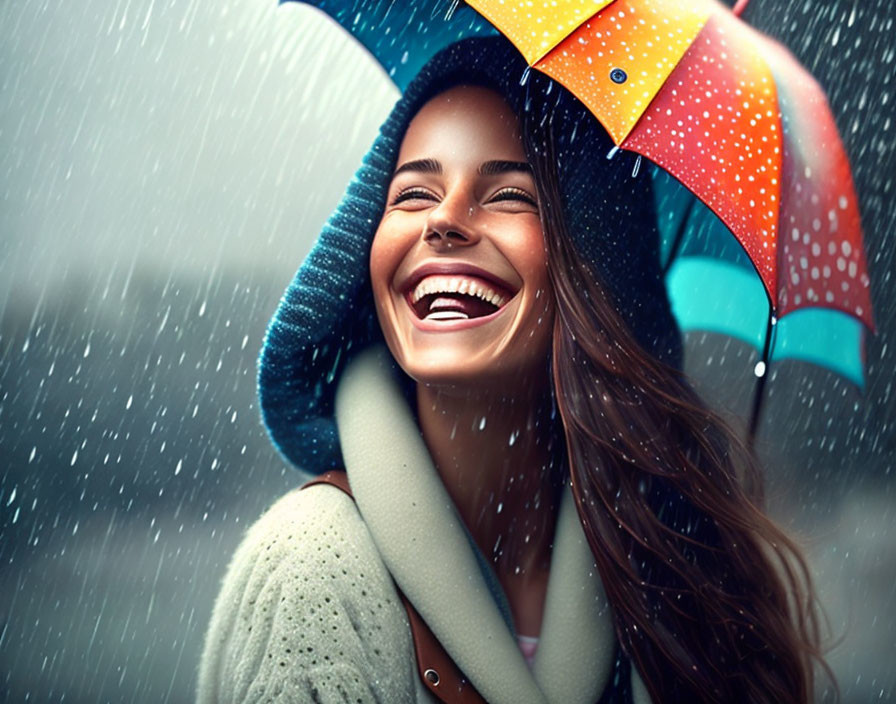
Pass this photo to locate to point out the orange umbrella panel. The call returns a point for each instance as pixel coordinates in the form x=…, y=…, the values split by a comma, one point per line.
x=618, y=60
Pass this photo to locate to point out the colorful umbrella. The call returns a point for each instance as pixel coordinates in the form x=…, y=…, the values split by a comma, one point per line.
x=728, y=113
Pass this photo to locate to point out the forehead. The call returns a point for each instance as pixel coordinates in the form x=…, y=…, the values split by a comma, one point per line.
x=464, y=123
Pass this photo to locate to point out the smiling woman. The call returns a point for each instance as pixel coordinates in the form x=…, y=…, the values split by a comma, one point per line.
x=458, y=264
x=534, y=479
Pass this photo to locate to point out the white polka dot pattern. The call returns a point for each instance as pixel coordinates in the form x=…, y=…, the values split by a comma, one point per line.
x=715, y=126
x=536, y=26
x=821, y=255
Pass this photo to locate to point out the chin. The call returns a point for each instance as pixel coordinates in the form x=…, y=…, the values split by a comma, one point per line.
x=456, y=372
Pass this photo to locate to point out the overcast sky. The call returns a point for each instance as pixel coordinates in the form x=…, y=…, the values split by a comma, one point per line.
x=173, y=135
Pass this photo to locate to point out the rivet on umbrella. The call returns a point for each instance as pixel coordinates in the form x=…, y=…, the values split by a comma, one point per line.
x=617, y=75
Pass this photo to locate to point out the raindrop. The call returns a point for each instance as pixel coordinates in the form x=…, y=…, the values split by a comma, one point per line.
x=452, y=8
x=637, y=166
x=759, y=369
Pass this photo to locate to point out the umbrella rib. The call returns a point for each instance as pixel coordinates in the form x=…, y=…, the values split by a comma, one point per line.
x=679, y=237
x=762, y=373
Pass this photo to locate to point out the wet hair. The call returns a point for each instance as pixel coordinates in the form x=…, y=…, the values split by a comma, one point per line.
x=711, y=600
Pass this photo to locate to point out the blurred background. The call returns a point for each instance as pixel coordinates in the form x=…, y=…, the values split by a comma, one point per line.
x=164, y=168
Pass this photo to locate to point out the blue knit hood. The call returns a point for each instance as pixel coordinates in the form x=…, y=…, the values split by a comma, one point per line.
x=327, y=314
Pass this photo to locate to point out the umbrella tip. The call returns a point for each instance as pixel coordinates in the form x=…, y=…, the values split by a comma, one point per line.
x=739, y=7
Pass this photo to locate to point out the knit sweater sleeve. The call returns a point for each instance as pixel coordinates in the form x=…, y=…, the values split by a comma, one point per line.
x=308, y=612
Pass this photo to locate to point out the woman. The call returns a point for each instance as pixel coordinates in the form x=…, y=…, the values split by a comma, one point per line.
x=538, y=428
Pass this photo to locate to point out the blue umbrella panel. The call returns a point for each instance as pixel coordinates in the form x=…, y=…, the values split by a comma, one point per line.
x=386, y=28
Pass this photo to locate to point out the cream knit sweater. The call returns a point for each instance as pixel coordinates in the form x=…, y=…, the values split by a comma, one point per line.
x=308, y=611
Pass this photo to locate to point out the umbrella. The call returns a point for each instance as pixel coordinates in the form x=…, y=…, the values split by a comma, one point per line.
x=728, y=116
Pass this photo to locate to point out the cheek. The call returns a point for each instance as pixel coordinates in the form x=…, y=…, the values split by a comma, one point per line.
x=383, y=263
x=529, y=257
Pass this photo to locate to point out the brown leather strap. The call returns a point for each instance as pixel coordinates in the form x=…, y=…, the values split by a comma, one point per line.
x=436, y=668
x=440, y=675
x=335, y=477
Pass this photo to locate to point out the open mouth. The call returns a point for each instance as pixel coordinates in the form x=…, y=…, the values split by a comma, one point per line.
x=445, y=298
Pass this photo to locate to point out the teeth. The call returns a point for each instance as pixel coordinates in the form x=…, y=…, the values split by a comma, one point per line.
x=456, y=284
x=447, y=315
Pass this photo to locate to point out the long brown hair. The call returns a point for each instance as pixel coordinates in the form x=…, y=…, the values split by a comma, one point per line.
x=712, y=601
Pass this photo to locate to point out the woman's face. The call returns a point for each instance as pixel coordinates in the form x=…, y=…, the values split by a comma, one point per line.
x=458, y=262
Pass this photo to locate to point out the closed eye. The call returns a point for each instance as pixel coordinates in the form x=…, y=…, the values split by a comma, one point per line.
x=412, y=193
x=512, y=193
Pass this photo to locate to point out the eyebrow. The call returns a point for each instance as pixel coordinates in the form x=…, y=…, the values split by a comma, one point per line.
x=488, y=168
x=425, y=166
x=493, y=168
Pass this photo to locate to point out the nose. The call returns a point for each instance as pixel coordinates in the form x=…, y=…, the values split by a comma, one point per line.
x=451, y=222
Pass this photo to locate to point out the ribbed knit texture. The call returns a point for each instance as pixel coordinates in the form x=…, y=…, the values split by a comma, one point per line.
x=326, y=315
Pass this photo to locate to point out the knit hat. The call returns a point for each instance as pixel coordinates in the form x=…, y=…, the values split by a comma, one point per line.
x=327, y=314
